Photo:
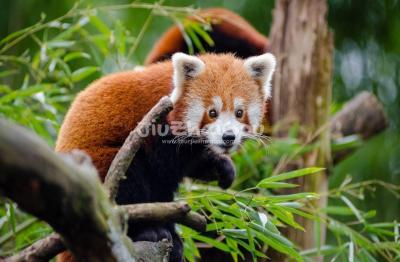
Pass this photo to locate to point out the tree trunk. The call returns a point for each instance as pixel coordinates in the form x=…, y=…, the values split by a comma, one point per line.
x=302, y=91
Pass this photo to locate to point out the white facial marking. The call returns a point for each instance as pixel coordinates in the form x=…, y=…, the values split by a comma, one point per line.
x=238, y=103
x=185, y=67
x=226, y=122
x=261, y=68
x=194, y=115
x=139, y=68
x=255, y=115
x=218, y=104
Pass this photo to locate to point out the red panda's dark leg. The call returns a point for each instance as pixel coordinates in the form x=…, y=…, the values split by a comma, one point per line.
x=152, y=234
x=176, y=254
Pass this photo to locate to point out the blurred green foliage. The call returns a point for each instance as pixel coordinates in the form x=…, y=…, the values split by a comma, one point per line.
x=367, y=57
x=68, y=45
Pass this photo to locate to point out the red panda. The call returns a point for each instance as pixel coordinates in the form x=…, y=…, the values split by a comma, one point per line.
x=219, y=100
x=229, y=31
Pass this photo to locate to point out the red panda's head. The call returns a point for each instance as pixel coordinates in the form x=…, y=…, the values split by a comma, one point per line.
x=220, y=97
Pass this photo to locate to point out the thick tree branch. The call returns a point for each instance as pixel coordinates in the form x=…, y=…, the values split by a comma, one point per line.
x=50, y=246
x=169, y=212
x=125, y=155
x=176, y=212
x=68, y=196
x=43, y=250
x=363, y=115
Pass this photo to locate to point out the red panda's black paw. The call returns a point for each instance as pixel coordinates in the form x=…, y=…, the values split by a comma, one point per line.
x=154, y=234
x=226, y=172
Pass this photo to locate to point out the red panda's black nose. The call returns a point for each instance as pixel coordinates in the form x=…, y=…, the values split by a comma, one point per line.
x=228, y=137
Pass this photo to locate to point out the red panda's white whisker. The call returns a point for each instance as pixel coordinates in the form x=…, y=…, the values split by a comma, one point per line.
x=255, y=138
x=268, y=138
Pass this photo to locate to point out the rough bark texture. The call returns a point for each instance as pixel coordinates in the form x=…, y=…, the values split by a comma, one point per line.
x=66, y=195
x=302, y=88
x=152, y=251
x=168, y=212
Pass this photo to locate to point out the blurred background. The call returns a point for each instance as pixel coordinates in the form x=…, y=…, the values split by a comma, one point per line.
x=366, y=57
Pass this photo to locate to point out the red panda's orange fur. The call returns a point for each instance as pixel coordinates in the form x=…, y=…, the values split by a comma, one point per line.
x=225, y=23
x=102, y=116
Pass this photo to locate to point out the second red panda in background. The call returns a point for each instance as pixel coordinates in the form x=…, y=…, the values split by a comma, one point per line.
x=230, y=32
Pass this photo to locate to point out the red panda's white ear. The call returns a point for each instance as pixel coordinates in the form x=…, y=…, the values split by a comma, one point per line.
x=261, y=68
x=185, y=67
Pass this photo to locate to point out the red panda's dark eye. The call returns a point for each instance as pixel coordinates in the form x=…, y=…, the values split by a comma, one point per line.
x=212, y=113
x=239, y=113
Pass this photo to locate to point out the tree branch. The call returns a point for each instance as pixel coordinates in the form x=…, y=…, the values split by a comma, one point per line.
x=362, y=115
x=175, y=212
x=43, y=250
x=50, y=246
x=127, y=152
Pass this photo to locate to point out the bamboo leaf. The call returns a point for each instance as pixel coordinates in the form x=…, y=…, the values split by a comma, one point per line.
x=274, y=185
x=195, y=39
x=203, y=33
x=83, y=73
x=96, y=22
x=60, y=44
x=22, y=93
x=213, y=242
x=75, y=55
x=353, y=208
x=290, y=175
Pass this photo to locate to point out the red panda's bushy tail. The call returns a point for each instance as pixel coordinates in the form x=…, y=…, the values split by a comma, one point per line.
x=230, y=33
